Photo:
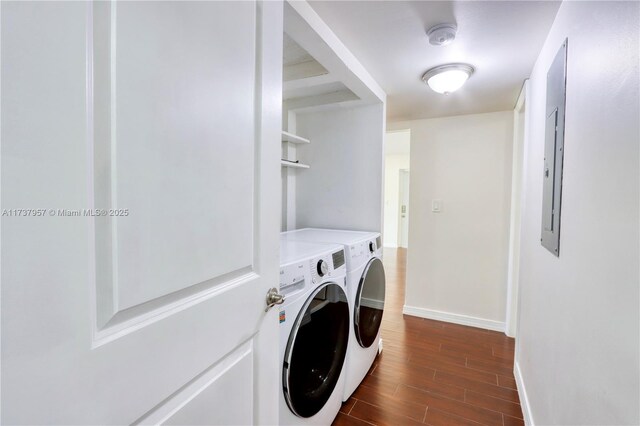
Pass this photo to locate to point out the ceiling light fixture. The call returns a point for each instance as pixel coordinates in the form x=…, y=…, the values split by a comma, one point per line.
x=442, y=34
x=447, y=78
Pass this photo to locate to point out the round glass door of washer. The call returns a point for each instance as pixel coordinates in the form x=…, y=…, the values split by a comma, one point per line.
x=369, y=303
x=316, y=350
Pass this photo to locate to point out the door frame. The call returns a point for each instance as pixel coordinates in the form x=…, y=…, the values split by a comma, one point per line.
x=520, y=121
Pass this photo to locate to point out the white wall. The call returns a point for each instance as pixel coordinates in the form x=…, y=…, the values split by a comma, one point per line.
x=396, y=158
x=342, y=189
x=578, y=337
x=457, y=263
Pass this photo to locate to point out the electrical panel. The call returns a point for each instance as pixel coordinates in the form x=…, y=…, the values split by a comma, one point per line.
x=554, y=151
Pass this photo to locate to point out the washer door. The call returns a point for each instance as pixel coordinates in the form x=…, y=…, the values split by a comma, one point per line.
x=316, y=350
x=369, y=303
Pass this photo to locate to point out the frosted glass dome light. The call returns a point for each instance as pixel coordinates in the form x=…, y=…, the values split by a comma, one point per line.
x=448, y=78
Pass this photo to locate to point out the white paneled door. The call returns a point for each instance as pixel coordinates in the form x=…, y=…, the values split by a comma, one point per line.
x=140, y=212
x=403, y=209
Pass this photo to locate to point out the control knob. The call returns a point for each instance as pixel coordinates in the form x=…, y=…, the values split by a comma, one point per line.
x=322, y=268
x=372, y=247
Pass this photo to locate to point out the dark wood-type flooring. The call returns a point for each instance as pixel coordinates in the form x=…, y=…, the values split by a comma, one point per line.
x=432, y=372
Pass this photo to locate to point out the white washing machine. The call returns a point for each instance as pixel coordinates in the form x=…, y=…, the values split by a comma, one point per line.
x=314, y=332
x=365, y=290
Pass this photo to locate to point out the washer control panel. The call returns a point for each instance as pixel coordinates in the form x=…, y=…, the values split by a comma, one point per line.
x=292, y=276
x=325, y=266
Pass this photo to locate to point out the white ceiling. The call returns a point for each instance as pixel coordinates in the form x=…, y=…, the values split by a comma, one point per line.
x=501, y=39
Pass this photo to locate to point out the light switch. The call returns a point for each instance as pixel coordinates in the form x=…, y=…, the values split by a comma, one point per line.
x=436, y=206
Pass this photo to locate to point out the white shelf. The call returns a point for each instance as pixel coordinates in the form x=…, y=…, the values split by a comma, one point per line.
x=285, y=163
x=290, y=137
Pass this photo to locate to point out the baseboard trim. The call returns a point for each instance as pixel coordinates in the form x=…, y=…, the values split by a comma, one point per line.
x=454, y=318
x=522, y=393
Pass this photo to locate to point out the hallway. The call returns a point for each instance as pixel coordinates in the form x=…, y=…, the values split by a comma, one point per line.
x=431, y=372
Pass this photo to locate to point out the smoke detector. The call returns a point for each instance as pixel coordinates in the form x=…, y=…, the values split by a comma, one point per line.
x=442, y=34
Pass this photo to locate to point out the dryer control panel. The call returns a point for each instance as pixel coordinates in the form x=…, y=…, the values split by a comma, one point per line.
x=361, y=252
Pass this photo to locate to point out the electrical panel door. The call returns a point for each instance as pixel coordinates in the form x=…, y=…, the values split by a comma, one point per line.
x=554, y=151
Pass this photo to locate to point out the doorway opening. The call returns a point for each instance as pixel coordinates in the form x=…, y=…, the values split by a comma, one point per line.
x=397, y=147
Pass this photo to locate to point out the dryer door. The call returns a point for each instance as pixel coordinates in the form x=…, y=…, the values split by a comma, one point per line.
x=369, y=303
x=316, y=350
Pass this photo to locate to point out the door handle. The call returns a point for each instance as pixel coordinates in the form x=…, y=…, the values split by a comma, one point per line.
x=274, y=298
